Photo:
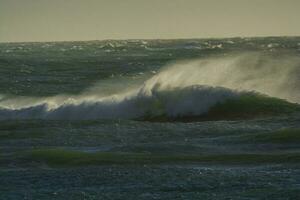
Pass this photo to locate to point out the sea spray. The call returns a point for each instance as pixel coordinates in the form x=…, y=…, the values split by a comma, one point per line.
x=182, y=89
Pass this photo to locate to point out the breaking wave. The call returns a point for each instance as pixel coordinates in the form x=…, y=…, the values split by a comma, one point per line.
x=214, y=87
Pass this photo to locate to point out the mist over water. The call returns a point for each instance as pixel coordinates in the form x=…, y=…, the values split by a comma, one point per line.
x=276, y=76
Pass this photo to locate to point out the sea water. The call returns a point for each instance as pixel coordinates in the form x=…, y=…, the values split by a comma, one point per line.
x=150, y=119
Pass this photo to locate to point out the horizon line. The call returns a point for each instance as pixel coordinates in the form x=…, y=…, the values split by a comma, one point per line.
x=120, y=39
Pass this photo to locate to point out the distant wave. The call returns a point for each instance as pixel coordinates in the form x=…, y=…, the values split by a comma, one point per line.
x=215, y=88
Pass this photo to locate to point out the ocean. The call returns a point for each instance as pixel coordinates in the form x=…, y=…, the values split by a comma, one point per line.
x=150, y=119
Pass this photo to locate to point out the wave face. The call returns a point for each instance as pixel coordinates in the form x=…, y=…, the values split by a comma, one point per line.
x=189, y=88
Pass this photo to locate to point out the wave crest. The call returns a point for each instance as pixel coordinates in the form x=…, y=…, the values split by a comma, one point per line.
x=176, y=102
x=180, y=90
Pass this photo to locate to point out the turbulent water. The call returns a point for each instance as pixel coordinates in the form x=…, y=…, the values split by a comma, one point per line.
x=150, y=119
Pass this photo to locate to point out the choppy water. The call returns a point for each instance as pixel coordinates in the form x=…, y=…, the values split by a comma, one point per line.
x=157, y=119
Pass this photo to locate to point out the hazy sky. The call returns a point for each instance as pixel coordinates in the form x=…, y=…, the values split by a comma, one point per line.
x=54, y=20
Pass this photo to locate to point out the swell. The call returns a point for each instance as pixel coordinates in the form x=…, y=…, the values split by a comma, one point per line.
x=61, y=157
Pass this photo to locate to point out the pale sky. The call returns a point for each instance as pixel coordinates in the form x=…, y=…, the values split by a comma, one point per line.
x=59, y=20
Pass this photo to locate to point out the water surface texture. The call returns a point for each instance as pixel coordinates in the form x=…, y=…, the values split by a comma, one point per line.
x=151, y=119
